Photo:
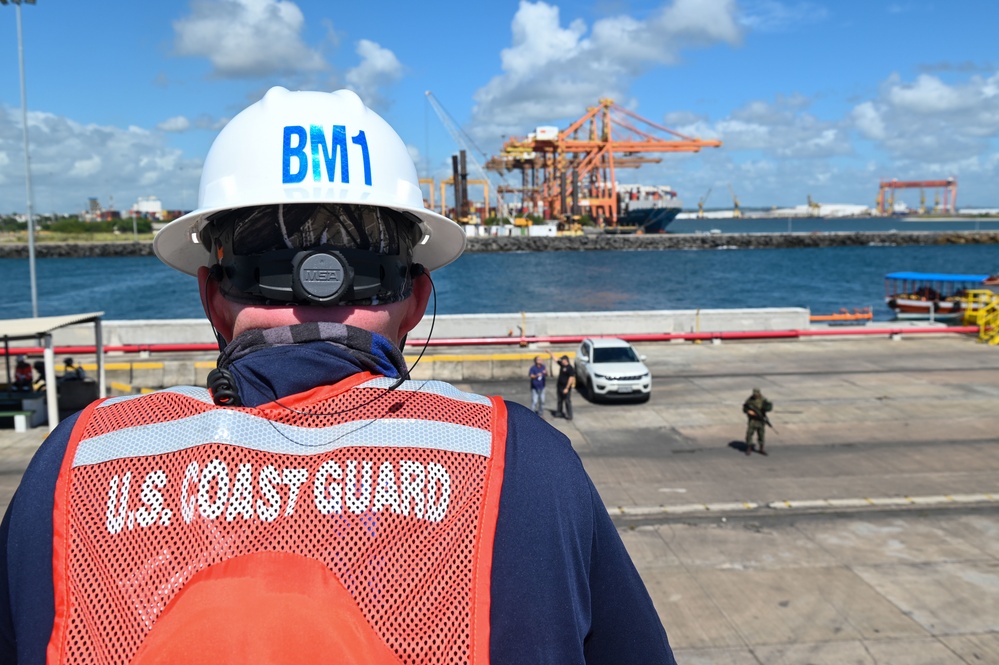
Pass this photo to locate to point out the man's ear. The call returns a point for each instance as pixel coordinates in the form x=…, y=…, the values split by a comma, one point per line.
x=216, y=307
x=417, y=302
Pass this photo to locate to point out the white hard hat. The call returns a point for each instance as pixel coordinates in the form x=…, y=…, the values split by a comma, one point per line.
x=307, y=147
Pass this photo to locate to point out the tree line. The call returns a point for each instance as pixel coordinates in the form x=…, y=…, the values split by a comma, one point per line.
x=75, y=225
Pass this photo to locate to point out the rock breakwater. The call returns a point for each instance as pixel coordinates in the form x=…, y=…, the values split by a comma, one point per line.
x=728, y=241
x=48, y=250
x=592, y=242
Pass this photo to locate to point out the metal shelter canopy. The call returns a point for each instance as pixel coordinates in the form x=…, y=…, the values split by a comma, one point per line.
x=936, y=276
x=41, y=328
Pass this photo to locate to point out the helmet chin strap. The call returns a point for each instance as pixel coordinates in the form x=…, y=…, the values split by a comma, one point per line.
x=214, y=273
x=323, y=275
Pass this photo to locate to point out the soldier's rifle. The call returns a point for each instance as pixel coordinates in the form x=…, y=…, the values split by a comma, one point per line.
x=762, y=415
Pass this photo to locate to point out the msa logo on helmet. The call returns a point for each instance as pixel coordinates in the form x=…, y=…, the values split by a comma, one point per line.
x=302, y=149
x=321, y=276
x=332, y=275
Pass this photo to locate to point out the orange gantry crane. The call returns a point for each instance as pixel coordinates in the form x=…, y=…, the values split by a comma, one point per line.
x=886, y=204
x=563, y=172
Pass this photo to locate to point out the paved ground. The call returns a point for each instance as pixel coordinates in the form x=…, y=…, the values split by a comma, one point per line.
x=869, y=535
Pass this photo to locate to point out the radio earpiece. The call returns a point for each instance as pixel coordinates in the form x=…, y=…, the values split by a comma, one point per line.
x=223, y=388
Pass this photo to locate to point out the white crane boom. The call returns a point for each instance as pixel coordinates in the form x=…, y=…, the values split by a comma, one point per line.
x=463, y=140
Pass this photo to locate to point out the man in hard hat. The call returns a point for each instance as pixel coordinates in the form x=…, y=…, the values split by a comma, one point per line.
x=314, y=503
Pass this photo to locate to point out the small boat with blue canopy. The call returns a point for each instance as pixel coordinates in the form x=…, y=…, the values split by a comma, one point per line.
x=936, y=296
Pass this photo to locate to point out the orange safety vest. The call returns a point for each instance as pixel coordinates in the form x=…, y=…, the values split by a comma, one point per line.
x=348, y=524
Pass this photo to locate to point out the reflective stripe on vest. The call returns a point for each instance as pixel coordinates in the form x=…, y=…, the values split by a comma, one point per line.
x=349, y=523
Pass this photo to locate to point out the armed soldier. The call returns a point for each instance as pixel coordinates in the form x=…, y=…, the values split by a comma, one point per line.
x=756, y=408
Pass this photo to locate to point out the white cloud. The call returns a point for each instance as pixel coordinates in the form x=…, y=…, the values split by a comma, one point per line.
x=552, y=72
x=379, y=67
x=264, y=38
x=868, y=120
x=695, y=22
x=742, y=135
x=783, y=128
x=71, y=162
x=928, y=95
x=247, y=38
x=931, y=120
x=175, y=124
x=86, y=167
x=539, y=39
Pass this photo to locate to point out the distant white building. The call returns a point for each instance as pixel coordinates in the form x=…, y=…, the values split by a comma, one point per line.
x=844, y=210
x=825, y=210
x=148, y=207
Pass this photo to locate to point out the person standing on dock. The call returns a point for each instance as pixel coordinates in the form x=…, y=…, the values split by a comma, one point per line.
x=756, y=407
x=314, y=502
x=566, y=382
x=537, y=375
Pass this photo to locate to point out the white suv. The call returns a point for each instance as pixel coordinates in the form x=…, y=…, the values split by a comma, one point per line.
x=609, y=367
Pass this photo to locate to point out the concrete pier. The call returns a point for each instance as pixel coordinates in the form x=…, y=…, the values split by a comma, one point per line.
x=513, y=337
x=513, y=325
x=152, y=371
x=867, y=535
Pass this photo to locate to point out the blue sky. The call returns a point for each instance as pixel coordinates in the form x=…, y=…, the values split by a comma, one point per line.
x=820, y=97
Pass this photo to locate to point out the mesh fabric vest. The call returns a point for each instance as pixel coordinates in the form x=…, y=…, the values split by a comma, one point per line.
x=348, y=524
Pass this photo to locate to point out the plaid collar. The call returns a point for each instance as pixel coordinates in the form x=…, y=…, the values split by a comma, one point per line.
x=370, y=351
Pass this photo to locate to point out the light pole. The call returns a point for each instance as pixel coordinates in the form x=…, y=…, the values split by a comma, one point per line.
x=27, y=158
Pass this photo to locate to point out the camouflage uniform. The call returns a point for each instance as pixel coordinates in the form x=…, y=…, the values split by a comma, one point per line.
x=759, y=406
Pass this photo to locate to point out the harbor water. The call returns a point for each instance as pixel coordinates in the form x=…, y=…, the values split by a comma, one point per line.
x=822, y=279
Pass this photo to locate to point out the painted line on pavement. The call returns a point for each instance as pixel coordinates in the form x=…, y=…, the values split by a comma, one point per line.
x=793, y=504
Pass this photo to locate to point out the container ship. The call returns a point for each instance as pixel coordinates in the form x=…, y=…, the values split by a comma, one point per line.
x=645, y=209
